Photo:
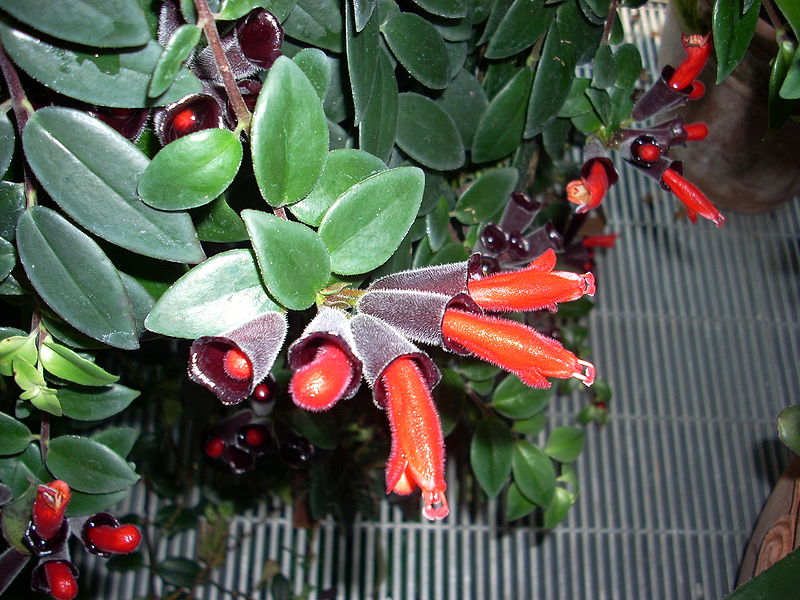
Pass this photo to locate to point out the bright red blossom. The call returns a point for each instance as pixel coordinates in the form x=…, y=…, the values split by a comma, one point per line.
x=589, y=192
x=515, y=347
x=122, y=539
x=532, y=288
x=417, y=455
x=319, y=384
x=49, y=508
x=237, y=365
x=606, y=240
x=698, y=90
x=695, y=131
x=695, y=201
x=698, y=49
x=60, y=580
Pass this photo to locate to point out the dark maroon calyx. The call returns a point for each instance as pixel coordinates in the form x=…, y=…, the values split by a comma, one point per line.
x=260, y=37
x=297, y=452
x=494, y=238
x=192, y=113
x=525, y=201
x=518, y=247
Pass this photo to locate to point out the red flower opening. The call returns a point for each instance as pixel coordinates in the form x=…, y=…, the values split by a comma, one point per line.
x=319, y=384
x=698, y=49
x=49, y=508
x=588, y=192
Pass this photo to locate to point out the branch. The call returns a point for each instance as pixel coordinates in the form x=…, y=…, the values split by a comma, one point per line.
x=780, y=29
x=612, y=14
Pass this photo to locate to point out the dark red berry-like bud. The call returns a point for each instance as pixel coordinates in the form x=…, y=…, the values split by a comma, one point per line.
x=517, y=246
x=265, y=391
x=129, y=122
x=49, y=508
x=108, y=539
x=253, y=436
x=696, y=131
x=60, y=580
x=214, y=447
x=525, y=201
x=297, y=452
x=260, y=37
x=649, y=152
x=494, y=238
x=489, y=266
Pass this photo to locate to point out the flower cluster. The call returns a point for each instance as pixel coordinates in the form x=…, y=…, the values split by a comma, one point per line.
x=453, y=306
x=46, y=538
x=647, y=150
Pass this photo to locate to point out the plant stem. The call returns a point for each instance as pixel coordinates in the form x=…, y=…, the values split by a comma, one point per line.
x=44, y=435
x=206, y=20
x=780, y=29
x=22, y=111
x=612, y=14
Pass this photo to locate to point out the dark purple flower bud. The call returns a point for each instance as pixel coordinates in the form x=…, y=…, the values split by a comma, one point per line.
x=46, y=547
x=378, y=344
x=449, y=279
x=129, y=122
x=517, y=246
x=231, y=364
x=260, y=37
x=493, y=239
x=489, y=266
x=660, y=97
x=296, y=453
x=519, y=212
x=667, y=134
x=187, y=115
x=254, y=438
x=545, y=238
x=239, y=461
x=56, y=575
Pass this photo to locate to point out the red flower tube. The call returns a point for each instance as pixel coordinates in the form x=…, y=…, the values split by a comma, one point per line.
x=696, y=131
x=605, y=240
x=514, y=347
x=698, y=49
x=417, y=455
x=60, y=578
x=588, y=192
x=532, y=288
x=695, y=201
x=49, y=508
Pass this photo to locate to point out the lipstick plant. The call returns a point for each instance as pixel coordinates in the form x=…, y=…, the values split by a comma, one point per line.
x=302, y=251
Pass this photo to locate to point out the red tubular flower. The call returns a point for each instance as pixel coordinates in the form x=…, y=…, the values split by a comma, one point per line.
x=49, y=508
x=606, y=240
x=532, y=288
x=104, y=535
x=696, y=132
x=417, y=456
x=588, y=192
x=698, y=49
x=698, y=90
x=514, y=347
x=695, y=201
x=60, y=579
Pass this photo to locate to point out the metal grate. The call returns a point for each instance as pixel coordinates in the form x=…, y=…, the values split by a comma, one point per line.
x=697, y=331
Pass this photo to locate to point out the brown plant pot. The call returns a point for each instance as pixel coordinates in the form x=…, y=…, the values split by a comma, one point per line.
x=738, y=166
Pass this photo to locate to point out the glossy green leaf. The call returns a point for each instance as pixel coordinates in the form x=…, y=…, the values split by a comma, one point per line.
x=180, y=571
x=565, y=444
x=317, y=67
x=781, y=580
x=316, y=22
x=119, y=439
x=427, y=133
x=554, y=138
x=731, y=32
x=452, y=252
x=178, y=48
x=191, y=171
x=218, y=222
x=70, y=366
x=486, y=196
x=465, y=102
x=534, y=473
x=791, y=12
x=490, y=454
x=292, y=258
x=437, y=224
x=378, y=129
x=222, y=293
x=601, y=103
x=367, y=223
x=583, y=35
x=419, y=48
x=531, y=426
x=520, y=27
x=89, y=466
x=68, y=335
x=790, y=89
x=82, y=505
x=75, y=278
x=7, y=139
x=364, y=54
x=362, y=11
x=517, y=505
x=552, y=81
x=8, y=258
x=17, y=518
x=102, y=23
x=604, y=68
x=515, y=400
x=117, y=79
x=559, y=507
x=789, y=427
x=17, y=472
x=444, y=8
x=84, y=404
x=234, y=9
x=142, y=301
x=289, y=135
x=628, y=63
x=26, y=375
x=343, y=169
x=17, y=345
x=14, y=435
x=12, y=205
x=577, y=102
x=100, y=193
x=498, y=12
x=779, y=109
x=500, y=128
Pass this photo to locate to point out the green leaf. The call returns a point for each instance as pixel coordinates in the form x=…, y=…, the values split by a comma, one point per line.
x=317, y=67
x=490, y=454
x=222, y=293
x=517, y=505
x=552, y=81
x=554, y=138
x=601, y=102
x=95, y=404
x=781, y=580
x=234, y=9
x=117, y=79
x=486, y=196
x=7, y=140
x=14, y=436
x=791, y=12
x=12, y=205
x=559, y=507
x=419, y=48
x=790, y=89
x=498, y=12
x=100, y=193
x=289, y=135
x=628, y=63
x=515, y=400
x=89, y=466
x=343, y=169
x=66, y=364
x=477, y=370
x=318, y=427
x=364, y=54
x=378, y=129
x=534, y=473
x=501, y=126
x=280, y=588
x=452, y=252
x=531, y=426
x=119, y=439
x=316, y=22
x=191, y=171
x=19, y=471
x=604, y=68
x=44, y=399
x=437, y=224
x=732, y=32
x=367, y=223
x=582, y=34
x=103, y=23
x=465, y=101
x=292, y=258
x=82, y=505
x=565, y=444
x=8, y=258
x=779, y=109
x=789, y=427
x=218, y=222
x=444, y=8
x=178, y=48
x=17, y=517
x=577, y=102
x=75, y=278
x=427, y=133
x=520, y=27
x=180, y=571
